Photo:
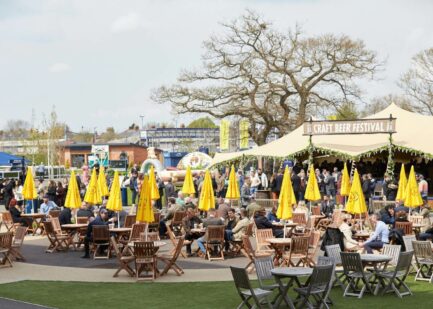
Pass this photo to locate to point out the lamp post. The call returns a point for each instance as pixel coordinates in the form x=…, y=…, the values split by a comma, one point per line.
x=142, y=121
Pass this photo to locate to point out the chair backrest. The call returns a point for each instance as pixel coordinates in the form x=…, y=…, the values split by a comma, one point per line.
x=404, y=262
x=299, y=245
x=137, y=229
x=171, y=234
x=215, y=233
x=315, y=210
x=263, y=265
x=405, y=226
x=299, y=218
x=48, y=228
x=82, y=220
x=321, y=277
x=249, y=231
x=6, y=240
x=54, y=213
x=336, y=216
x=178, y=216
x=144, y=249
x=156, y=217
x=334, y=251
x=130, y=220
x=416, y=219
x=314, y=239
x=392, y=251
x=325, y=260
x=407, y=239
x=20, y=233
x=178, y=248
x=422, y=250
x=101, y=233
x=261, y=236
x=240, y=278
x=351, y=262
x=151, y=236
x=6, y=217
x=247, y=246
x=56, y=225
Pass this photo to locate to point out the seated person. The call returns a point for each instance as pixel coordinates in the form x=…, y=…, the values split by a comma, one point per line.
x=263, y=223
x=350, y=244
x=102, y=219
x=327, y=206
x=188, y=224
x=211, y=220
x=223, y=208
x=230, y=223
x=400, y=209
x=272, y=215
x=387, y=214
x=252, y=207
x=425, y=213
x=428, y=234
x=171, y=209
x=238, y=230
x=180, y=199
x=379, y=237
x=301, y=208
x=85, y=211
x=47, y=205
x=65, y=216
x=16, y=212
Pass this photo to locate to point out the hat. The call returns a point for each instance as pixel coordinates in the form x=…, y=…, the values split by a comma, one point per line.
x=45, y=196
x=103, y=211
x=261, y=209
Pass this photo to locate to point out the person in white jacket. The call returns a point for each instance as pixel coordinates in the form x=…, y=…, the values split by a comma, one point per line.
x=255, y=183
x=350, y=244
x=263, y=179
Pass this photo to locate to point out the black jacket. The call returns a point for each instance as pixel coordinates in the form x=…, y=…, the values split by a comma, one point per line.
x=65, y=216
x=278, y=183
x=98, y=221
x=333, y=236
x=296, y=183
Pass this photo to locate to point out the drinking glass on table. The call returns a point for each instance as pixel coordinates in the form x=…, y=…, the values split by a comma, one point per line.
x=111, y=226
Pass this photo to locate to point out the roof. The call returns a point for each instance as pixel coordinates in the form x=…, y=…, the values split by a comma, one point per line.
x=6, y=157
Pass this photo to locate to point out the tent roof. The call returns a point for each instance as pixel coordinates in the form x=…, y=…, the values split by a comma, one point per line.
x=6, y=157
x=413, y=132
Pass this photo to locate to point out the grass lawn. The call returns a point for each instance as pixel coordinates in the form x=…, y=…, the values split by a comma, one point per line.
x=180, y=295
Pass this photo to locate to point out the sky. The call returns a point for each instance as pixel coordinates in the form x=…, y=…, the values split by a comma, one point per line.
x=97, y=61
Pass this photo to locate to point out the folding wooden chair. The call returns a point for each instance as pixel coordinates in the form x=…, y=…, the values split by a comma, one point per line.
x=299, y=218
x=215, y=242
x=151, y=236
x=354, y=271
x=298, y=250
x=5, y=248
x=313, y=247
x=392, y=251
x=424, y=260
x=416, y=219
x=145, y=260
x=101, y=241
x=170, y=260
x=124, y=261
x=17, y=242
x=137, y=229
x=261, y=244
x=174, y=240
x=82, y=220
x=319, y=286
x=393, y=281
x=249, y=252
x=405, y=226
x=333, y=251
x=247, y=292
x=176, y=222
x=264, y=265
x=130, y=220
x=57, y=242
x=407, y=240
x=154, y=226
x=8, y=222
x=315, y=210
x=54, y=213
x=326, y=260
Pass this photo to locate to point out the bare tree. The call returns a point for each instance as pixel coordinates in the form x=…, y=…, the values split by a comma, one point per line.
x=418, y=82
x=380, y=103
x=273, y=79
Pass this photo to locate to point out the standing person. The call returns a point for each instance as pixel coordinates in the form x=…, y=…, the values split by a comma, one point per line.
x=85, y=175
x=389, y=188
x=245, y=193
x=263, y=180
x=330, y=188
x=51, y=190
x=40, y=170
x=18, y=193
x=60, y=194
x=220, y=181
x=422, y=186
x=379, y=237
x=296, y=183
x=240, y=178
x=161, y=187
x=321, y=181
x=255, y=183
x=170, y=190
x=133, y=186
x=366, y=188
x=8, y=192
x=278, y=184
x=303, y=180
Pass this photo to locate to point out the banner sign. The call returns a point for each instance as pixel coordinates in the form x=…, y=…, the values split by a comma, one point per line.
x=224, y=134
x=101, y=152
x=359, y=126
x=243, y=134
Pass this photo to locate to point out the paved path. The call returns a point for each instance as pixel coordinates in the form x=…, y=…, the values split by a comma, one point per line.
x=14, y=304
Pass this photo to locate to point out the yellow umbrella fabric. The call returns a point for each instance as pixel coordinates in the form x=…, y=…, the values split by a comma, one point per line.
x=345, y=182
x=73, y=198
x=114, y=202
x=412, y=195
x=154, y=192
x=144, y=208
x=233, y=188
x=356, y=202
x=312, y=192
x=102, y=183
x=188, y=184
x=287, y=197
x=92, y=194
x=29, y=190
x=207, y=197
x=402, y=184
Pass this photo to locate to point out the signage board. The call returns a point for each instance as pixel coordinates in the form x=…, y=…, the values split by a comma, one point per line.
x=359, y=126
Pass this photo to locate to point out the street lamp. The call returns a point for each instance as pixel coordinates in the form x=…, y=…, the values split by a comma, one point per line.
x=142, y=123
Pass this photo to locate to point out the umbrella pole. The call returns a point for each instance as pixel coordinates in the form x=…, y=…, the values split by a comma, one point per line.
x=285, y=224
x=360, y=221
x=309, y=211
x=146, y=230
x=118, y=219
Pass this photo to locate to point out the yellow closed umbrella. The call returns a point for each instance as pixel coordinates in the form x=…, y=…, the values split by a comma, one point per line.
x=412, y=196
x=114, y=202
x=287, y=198
x=102, y=183
x=402, y=184
x=207, y=197
x=345, y=182
x=312, y=192
x=144, y=210
x=29, y=189
x=356, y=202
x=188, y=184
x=92, y=194
x=154, y=192
x=233, y=188
x=73, y=198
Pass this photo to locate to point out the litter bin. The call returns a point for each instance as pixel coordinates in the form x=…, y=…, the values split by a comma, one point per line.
x=124, y=193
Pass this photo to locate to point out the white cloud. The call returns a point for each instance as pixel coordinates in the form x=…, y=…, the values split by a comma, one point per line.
x=128, y=22
x=59, y=67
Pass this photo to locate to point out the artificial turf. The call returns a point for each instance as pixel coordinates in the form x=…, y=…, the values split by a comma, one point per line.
x=181, y=295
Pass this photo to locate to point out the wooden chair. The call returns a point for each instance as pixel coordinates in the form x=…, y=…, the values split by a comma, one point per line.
x=298, y=250
x=392, y=251
x=333, y=251
x=5, y=248
x=424, y=260
x=264, y=265
x=249, y=252
x=17, y=242
x=250, y=229
x=247, y=292
x=170, y=260
x=137, y=229
x=151, y=236
x=261, y=244
x=174, y=240
x=101, y=241
x=54, y=213
x=405, y=226
x=315, y=210
x=407, y=240
x=416, y=219
x=57, y=242
x=299, y=218
x=124, y=261
x=176, y=222
x=215, y=242
x=8, y=222
x=313, y=247
x=130, y=220
x=82, y=220
x=154, y=226
x=145, y=259
x=354, y=271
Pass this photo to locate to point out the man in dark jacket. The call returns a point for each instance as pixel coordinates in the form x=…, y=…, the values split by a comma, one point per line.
x=263, y=223
x=278, y=182
x=296, y=183
x=170, y=190
x=387, y=214
x=330, y=188
x=212, y=220
x=65, y=216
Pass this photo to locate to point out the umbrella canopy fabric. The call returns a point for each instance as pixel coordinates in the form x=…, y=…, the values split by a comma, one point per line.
x=154, y=192
x=73, y=198
x=402, y=184
x=412, y=195
x=287, y=197
x=356, y=202
x=144, y=210
x=345, y=182
x=233, y=188
x=102, y=183
x=29, y=190
x=188, y=184
x=312, y=192
x=92, y=194
x=207, y=197
x=114, y=202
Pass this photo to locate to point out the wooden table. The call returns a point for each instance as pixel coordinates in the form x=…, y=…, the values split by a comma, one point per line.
x=73, y=229
x=361, y=236
x=289, y=226
x=198, y=230
x=279, y=244
x=417, y=229
x=36, y=219
x=293, y=273
x=121, y=233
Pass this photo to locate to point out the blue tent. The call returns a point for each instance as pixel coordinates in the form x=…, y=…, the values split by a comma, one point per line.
x=5, y=158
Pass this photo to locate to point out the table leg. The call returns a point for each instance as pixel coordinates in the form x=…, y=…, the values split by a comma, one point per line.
x=283, y=293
